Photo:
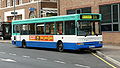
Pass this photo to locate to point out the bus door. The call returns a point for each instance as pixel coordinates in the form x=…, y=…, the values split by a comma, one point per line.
x=16, y=35
x=7, y=30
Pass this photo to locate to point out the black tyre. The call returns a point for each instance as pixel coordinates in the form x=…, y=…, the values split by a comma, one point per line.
x=24, y=44
x=60, y=47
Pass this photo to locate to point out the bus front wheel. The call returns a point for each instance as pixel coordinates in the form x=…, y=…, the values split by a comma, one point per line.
x=60, y=46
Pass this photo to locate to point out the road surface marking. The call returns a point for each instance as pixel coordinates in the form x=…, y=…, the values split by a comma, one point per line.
x=104, y=60
x=11, y=54
x=82, y=66
x=59, y=62
x=41, y=59
x=7, y=60
x=26, y=56
x=2, y=53
x=110, y=59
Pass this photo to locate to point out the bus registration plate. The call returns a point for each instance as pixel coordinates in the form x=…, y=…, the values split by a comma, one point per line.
x=91, y=46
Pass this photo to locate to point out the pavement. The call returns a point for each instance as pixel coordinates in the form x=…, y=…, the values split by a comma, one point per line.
x=5, y=41
x=110, y=52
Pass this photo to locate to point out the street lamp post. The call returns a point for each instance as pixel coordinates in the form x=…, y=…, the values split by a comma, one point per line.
x=14, y=9
x=37, y=9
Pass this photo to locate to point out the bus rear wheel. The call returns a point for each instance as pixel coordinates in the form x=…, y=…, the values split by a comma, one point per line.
x=60, y=47
x=24, y=44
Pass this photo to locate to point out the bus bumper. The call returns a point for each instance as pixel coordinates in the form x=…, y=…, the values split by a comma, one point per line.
x=89, y=46
x=13, y=42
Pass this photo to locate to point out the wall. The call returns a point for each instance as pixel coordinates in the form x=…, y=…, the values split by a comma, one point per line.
x=73, y=4
x=111, y=37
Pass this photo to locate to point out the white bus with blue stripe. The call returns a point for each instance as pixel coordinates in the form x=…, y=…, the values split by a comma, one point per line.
x=72, y=32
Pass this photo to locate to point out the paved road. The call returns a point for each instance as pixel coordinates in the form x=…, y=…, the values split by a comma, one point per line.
x=14, y=57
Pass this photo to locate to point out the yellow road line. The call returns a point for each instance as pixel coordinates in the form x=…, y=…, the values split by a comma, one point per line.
x=104, y=60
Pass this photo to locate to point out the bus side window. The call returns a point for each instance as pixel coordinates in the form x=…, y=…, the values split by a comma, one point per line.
x=13, y=28
x=47, y=28
x=40, y=28
x=31, y=28
x=16, y=28
x=50, y=28
x=24, y=29
x=69, y=27
x=59, y=28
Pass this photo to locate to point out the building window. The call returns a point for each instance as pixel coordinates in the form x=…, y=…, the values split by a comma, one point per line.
x=10, y=18
x=53, y=0
x=31, y=0
x=105, y=10
x=106, y=27
x=32, y=14
x=86, y=10
x=115, y=27
x=11, y=2
x=50, y=14
x=19, y=17
x=18, y=2
x=110, y=17
x=71, y=12
x=115, y=13
x=7, y=3
x=80, y=10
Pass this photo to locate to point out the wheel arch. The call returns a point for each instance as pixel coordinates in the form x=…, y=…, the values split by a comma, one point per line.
x=23, y=42
x=59, y=41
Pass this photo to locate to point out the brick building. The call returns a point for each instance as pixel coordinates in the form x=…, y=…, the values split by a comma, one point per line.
x=26, y=9
x=110, y=10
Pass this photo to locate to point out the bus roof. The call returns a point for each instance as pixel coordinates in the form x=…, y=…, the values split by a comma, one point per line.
x=58, y=18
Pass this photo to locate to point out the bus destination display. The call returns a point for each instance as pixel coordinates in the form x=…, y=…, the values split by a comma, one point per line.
x=89, y=16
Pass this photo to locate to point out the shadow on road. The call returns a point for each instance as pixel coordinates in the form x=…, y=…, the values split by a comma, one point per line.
x=82, y=51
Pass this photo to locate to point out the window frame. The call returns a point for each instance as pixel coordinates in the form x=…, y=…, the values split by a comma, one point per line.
x=112, y=23
x=81, y=10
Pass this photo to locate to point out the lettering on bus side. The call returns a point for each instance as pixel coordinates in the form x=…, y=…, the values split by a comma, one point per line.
x=32, y=37
x=40, y=38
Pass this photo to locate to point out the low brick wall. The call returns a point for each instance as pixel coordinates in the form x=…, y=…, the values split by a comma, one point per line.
x=111, y=37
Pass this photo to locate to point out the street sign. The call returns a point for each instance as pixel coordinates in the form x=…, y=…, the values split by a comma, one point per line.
x=13, y=12
x=31, y=9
